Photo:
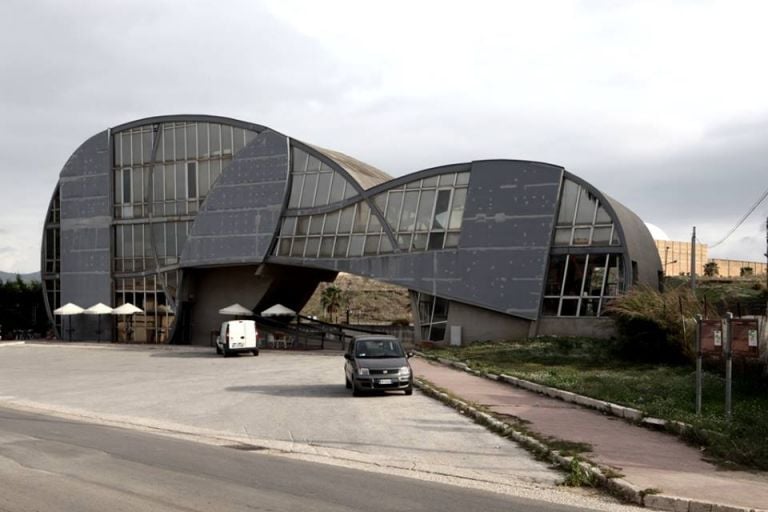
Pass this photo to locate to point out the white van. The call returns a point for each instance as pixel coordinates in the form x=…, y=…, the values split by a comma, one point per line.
x=237, y=336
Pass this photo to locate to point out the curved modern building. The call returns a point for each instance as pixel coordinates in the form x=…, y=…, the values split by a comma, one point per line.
x=182, y=215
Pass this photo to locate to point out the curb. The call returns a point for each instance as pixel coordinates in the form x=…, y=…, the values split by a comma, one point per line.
x=618, y=487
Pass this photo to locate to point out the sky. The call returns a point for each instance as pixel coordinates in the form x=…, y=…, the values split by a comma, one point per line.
x=660, y=104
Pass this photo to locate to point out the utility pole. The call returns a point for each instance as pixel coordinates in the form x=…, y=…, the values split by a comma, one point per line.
x=693, y=259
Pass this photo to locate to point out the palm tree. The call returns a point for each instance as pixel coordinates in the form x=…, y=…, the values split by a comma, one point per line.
x=331, y=300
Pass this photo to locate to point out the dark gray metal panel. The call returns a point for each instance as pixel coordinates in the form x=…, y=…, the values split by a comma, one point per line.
x=504, y=246
x=241, y=213
x=85, y=185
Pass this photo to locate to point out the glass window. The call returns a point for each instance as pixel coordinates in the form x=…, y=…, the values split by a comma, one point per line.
x=457, y=209
x=581, y=236
x=374, y=226
x=601, y=235
x=191, y=141
x=337, y=188
x=126, y=148
x=426, y=206
x=350, y=191
x=296, y=185
x=404, y=242
x=345, y=221
x=284, y=249
x=299, y=161
x=586, y=211
x=323, y=188
x=308, y=190
x=574, y=274
x=440, y=220
x=138, y=182
x=602, y=216
x=181, y=180
x=226, y=140
x=462, y=178
x=137, y=156
x=127, y=187
x=313, y=246
x=356, y=245
x=429, y=182
x=170, y=182
x=289, y=223
x=238, y=140
x=452, y=240
x=180, y=136
x=202, y=140
x=340, y=249
x=371, y=244
x=550, y=307
x=563, y=236
x=446, y=180
x=569, y=307
x=436, y=241
x=203, y=178
x=331, y=222
x=192, y=180
x=408, y=218
x=568, y=202
x=326, y=247
x=361, y=217
x=302, y=225
x=555, y=275
x=313, y=164
x=392, y=213
x=214, y=138
x=297, y=249
x=316, y=224
x=419, y=242
x=385, y=246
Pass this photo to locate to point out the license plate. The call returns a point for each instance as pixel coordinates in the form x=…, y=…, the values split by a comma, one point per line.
x=385, y=381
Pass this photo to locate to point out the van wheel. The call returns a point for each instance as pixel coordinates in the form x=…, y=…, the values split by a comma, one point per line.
x=218, y=349
x=225, y=351
x=255, y=352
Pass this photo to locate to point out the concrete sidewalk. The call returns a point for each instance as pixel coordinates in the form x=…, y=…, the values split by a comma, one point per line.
x=647, y=459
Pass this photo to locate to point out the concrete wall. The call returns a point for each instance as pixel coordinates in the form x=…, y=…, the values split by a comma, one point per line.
x=677, y=259
x=481, y=325
x=86, y=216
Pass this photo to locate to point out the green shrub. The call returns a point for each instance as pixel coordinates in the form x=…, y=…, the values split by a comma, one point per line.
x=656, y=326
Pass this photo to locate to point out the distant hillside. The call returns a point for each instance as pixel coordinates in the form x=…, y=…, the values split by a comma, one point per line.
x=8, y=276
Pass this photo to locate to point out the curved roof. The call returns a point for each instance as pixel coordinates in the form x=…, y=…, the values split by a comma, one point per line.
x=367, y=176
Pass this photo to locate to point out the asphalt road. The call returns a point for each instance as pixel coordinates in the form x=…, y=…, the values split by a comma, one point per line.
x=49, y=463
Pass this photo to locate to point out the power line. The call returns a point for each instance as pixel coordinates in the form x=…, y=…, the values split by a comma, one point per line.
x=742, y=219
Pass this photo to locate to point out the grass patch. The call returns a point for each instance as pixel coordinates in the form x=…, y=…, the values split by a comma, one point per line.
x=593, y=368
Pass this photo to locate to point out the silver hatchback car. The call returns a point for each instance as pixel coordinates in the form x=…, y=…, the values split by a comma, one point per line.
x=377, y=363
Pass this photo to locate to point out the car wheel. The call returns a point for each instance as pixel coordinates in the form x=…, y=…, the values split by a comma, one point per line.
x=347, y=383
x=356, y=391
x=409, y=390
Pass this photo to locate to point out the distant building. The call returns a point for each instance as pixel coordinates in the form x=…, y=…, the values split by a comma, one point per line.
x=182, y=215
x=676, y=261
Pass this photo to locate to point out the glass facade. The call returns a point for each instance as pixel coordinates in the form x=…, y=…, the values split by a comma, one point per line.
x=582, y=220
x=52, y=257
x=162, y=174
x=424, y=215
x=580, y=283
x=433, y=316
x=314, y=183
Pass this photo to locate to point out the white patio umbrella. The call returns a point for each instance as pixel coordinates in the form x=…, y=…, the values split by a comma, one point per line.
x=98, y=309
x=278, y=310
x=129, y=310
x=236, y=310
x=69, y=309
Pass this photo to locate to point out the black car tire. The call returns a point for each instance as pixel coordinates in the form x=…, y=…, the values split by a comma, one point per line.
x=409, y=390
x=356, y=391
x=347, y=383
x=218, y=349
x=255, y=352
x=225, y=351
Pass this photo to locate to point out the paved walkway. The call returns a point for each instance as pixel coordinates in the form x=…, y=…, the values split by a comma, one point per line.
x=647, y=459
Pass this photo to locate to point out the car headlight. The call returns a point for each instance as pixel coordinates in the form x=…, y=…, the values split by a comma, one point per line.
x=405, y=371
x=363, y=371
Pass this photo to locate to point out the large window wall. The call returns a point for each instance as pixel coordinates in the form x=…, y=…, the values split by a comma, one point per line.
x=162, y=174
x=581, y=281
x=424, y=215
x=314, y=183
x=52, y=257
x=433, y=316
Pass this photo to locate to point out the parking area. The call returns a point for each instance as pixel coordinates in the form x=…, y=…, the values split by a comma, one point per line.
x=288, y=402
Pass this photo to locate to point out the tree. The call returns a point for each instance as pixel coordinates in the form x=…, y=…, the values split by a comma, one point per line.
x=711, y=269
x=332, y=300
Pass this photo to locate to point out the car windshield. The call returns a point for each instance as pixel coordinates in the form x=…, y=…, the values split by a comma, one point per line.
x=378, y=349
